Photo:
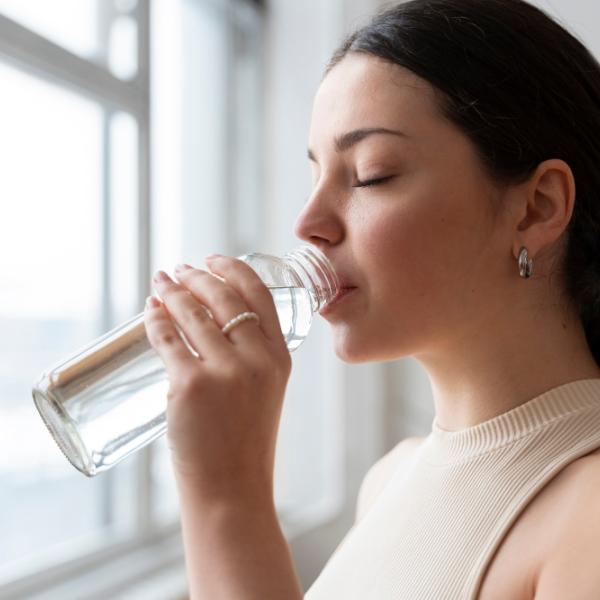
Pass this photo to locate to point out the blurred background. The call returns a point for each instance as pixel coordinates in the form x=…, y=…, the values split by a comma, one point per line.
x=136, y=134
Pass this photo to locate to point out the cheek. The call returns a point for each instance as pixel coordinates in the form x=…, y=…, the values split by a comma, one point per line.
x=399, y=245
x=417, y=255
x=382, y=237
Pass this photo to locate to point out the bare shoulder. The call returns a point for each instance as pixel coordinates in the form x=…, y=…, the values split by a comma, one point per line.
x=575, y=491
x=380, y=473
x=553, y=546
x=575, y=555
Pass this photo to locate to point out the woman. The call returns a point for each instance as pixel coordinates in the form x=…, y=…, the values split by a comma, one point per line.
x=455, y=152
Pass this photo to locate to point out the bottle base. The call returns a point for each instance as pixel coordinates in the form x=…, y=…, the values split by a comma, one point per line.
x=62, y=430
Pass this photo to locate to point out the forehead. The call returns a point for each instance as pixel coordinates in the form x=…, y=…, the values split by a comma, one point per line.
x=366, y=91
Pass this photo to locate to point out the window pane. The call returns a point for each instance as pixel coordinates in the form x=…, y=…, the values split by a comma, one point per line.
x=102, y=31
x=122, y=47
x=50, y=302
x=69, y=23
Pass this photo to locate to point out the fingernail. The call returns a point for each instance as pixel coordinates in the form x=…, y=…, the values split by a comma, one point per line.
x=213, y=257
x=161, y=276
x=183, y=267
x=152, y=302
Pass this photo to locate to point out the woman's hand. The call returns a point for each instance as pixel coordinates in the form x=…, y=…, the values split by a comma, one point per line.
x=224, y=407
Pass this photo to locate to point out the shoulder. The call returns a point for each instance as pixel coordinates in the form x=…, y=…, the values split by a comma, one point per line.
x=380, y=473
x=573, y=561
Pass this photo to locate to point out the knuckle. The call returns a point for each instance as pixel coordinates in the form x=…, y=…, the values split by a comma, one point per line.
x=257, y=288
x=223, y=295
x=265, y=366
x=179, y=292
x=198, y=313
x=166, y=338
x=231, y=372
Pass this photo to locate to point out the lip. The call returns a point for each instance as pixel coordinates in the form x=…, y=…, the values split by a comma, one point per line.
x=343, y=293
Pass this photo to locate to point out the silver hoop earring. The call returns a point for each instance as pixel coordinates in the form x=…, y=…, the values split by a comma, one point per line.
x=525, y=266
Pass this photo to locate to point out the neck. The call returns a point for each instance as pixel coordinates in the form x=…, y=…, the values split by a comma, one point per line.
x=493, y=369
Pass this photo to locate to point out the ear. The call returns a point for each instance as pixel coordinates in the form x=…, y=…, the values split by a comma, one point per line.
x=545, y=207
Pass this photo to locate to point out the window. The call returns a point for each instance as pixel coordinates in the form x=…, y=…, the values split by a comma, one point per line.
x=88, y=213
x=50, y=301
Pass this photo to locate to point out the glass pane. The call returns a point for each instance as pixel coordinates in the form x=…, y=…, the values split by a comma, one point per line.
x=69, y=23
x=50, y=302
x=102, y=31
x=122, y=47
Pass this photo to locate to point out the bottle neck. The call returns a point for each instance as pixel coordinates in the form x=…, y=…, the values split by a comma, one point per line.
x=316, y=274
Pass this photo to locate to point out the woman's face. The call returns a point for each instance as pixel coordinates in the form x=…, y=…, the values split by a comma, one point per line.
x=420, y=242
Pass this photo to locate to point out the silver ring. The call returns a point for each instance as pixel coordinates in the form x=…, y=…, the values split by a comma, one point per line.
x=245, y=316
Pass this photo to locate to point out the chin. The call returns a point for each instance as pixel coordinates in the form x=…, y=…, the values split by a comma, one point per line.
x=354, y=349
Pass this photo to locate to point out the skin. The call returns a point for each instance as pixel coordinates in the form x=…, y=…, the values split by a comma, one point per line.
x=434, y=261
x=223, y=414
x=435, y=275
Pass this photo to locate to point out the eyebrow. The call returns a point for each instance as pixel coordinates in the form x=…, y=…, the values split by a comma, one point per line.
x=347, y=140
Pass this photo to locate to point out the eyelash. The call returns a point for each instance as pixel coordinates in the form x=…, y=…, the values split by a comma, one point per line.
x=372, y=182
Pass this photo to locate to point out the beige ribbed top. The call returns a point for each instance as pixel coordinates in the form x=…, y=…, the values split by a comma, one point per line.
x=436, y=524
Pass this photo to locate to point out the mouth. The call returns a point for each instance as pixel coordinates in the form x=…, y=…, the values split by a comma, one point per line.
x=343, y=291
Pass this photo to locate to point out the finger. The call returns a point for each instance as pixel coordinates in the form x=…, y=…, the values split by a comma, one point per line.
x=163, y=337
x=252, y=289
x=224, y=302
x=201, y=331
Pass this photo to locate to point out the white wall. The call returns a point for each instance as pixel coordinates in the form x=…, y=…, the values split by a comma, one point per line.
x=580, y=17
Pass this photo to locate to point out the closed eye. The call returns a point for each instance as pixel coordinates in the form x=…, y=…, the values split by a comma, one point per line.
x=372, y=182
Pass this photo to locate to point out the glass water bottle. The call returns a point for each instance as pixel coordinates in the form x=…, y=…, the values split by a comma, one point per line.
x=109, y=399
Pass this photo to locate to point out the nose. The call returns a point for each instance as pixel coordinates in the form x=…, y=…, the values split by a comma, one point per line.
x=318, y=223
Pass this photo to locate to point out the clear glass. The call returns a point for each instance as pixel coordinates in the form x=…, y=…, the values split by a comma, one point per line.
x=109, y=399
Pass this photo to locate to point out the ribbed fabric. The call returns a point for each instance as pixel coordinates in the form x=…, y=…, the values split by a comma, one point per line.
x=433, y=530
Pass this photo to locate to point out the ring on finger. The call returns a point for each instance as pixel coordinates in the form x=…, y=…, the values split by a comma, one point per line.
x=245, y=316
